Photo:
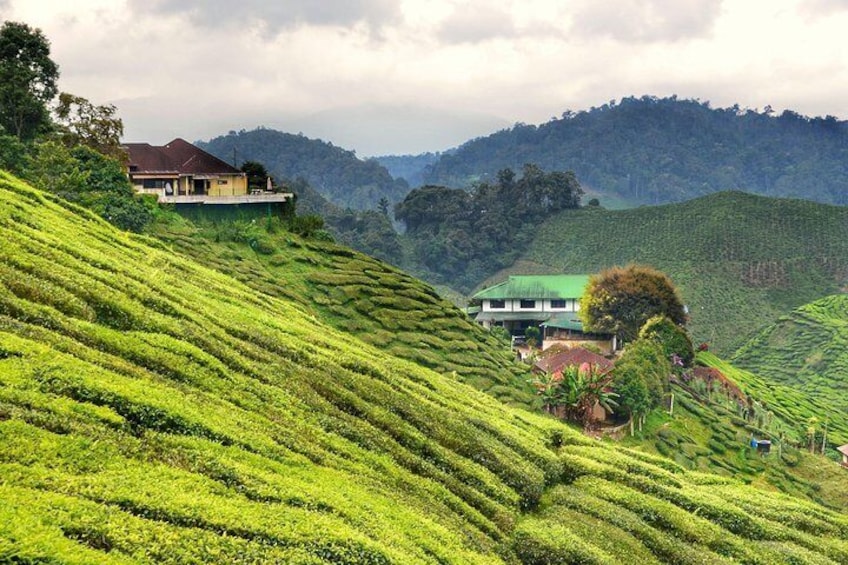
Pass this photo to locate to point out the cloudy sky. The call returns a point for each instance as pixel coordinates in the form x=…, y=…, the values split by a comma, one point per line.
x=406, y=76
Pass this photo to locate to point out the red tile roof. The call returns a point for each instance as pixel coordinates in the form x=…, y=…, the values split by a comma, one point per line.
x=570, y=357
x=178, y=157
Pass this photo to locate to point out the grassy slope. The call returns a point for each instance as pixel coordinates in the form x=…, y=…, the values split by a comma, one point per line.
x=154, y=410
x=740, y=261
x=806, y=352
x=365, y=297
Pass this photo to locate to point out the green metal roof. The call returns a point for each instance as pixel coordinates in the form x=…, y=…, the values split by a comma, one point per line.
x=536, y=287
x=565, y=322
x=512, y=316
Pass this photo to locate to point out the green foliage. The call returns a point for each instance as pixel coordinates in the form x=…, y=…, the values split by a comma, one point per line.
x=79, y=122
x=573, y=392
x=640, y=376
x=86, y=177
x=805, y=354
x=673, y=338
x=257, y=175
x=306, y=226
x=621, y=300
x=12, y=154
x=652, y=150
x=462, y=238
x=27, y=80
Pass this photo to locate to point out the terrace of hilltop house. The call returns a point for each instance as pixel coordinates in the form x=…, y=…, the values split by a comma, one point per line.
x=182, y=173
x=548, y=302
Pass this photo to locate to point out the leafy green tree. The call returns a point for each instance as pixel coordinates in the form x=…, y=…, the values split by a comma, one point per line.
x=640, y=378
x=621, y=299
x=13, y=154
x=533, y=336
x=51, y=166
x=257, y=175
x=27, y=80
x=383, y=206
x=673, y=338
x=89, y=178
x=80, y=122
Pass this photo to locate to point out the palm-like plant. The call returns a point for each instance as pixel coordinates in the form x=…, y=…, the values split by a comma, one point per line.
x=572, y=392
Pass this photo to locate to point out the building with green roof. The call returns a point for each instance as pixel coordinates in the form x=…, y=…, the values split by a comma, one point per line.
x=549, y=302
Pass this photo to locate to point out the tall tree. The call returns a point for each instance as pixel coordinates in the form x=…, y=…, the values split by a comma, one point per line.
x=82, y=123
x=257, y=174
x=621, y=299
x=27, y=80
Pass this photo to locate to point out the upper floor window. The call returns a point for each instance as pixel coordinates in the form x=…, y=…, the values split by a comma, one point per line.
x=557, y=303
x=527, y=303
x=497, y=304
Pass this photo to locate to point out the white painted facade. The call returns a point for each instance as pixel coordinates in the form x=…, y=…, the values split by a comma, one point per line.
x=538, y=305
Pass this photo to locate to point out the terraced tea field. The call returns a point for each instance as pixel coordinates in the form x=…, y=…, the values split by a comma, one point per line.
x=155, y=410
x=806, y=352
x=365, y=297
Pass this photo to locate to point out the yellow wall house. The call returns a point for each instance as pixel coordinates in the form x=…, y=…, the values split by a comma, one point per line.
x=182, y=173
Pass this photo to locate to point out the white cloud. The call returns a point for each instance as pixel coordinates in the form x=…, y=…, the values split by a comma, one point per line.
x=172, y=70
x=275, y=16
x=646, y=20
x=473, y=23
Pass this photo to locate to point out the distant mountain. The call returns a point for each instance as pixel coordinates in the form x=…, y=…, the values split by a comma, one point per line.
x=651, y=151
x=740, y=260
x=335, y=173
x=408, y=167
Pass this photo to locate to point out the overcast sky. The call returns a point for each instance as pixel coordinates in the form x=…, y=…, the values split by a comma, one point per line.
x=407, y=76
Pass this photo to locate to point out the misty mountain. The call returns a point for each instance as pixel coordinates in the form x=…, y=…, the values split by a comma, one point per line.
x=652, y=150
x=335, y=173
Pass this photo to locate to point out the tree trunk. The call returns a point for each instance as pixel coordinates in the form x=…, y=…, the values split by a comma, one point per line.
x=671, y=406
x=824, y=437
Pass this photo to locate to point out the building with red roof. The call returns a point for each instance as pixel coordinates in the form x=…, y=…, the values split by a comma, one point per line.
x=182, y=173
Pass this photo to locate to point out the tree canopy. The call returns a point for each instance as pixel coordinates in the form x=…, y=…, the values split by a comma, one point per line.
x=621, y=299
x=27, y=80
x=82, y=123
x=465, y=236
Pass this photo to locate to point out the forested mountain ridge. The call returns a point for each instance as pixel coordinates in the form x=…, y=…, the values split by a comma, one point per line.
x=335, y=173
x=741, y=261
x=153, y=409
x=652, y=150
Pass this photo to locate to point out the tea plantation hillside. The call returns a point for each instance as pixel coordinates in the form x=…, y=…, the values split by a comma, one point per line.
x=710, y=431
x=741, y=261
x=153, y=410
x=359, y=295
x=806, y=352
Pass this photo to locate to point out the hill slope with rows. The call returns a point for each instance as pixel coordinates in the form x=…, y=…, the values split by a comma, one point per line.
x=359, y=295
x=153, y=410
x=806, y=352
x=740, y=261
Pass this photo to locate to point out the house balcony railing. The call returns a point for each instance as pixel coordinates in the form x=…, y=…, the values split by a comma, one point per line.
x=254, y=198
